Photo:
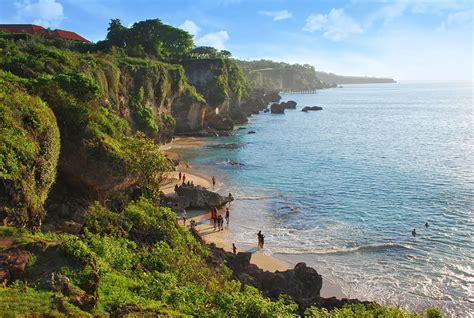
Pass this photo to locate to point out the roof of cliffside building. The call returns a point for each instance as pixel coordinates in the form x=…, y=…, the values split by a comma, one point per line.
x=21, y=28
x=37, y=29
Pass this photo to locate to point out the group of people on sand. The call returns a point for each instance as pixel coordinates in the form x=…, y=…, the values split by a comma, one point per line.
x=217, y=219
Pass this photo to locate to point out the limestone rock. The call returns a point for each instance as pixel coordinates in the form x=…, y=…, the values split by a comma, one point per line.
x=198, y=197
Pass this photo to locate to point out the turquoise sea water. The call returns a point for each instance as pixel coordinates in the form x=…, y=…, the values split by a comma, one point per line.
x=343, y=188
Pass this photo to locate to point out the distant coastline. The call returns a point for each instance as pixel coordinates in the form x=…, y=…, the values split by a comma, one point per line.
x=342, y=79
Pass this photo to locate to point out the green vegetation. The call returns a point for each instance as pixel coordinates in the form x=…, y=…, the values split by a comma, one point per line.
x=146, y=162
x=209, y=52
x=149, y=37
x=229, y=83
x=138, y=259
x=29, y=151
x=281, y=76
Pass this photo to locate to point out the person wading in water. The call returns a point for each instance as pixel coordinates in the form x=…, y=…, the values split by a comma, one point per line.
x=227, y=215
x=261, y=238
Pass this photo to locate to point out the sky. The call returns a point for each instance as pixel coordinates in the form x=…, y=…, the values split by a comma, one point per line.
x=403, y=39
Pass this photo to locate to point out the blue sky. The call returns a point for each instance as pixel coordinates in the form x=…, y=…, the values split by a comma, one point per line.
x=404, y=39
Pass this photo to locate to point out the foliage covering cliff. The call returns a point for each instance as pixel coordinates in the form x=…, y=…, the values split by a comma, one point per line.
x=29, y=151
x=281, y=76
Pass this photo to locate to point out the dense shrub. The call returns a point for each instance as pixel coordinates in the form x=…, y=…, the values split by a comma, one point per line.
x=144, y=115
x=29, y=151
x=145, y=160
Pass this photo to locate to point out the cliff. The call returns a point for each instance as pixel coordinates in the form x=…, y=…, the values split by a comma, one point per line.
x=340, y=79
x=281, y=76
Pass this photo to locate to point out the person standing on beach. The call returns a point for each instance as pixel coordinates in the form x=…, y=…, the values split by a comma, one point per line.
x=234, y=249
x=213, y=181
x=213, y=216
x=220, y=223
x=184, y=216
x=184, y=178
x=179, y=175
x=227, y=215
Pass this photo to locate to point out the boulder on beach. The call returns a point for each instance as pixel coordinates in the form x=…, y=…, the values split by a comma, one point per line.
x=197, y=197
x=311, y=108
x=277, y=108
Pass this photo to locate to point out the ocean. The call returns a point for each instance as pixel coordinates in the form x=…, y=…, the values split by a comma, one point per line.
x=342, y=189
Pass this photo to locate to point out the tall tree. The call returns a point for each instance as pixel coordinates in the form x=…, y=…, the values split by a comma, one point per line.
x=117, y=33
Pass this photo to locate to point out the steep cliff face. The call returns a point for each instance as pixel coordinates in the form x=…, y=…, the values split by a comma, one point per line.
x=224, y=87
x=153, y=97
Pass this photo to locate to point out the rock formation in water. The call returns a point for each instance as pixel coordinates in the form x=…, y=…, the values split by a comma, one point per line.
x=311, y=108
x=276, y=108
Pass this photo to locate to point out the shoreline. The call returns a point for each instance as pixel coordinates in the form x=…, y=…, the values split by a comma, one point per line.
x=220, y=238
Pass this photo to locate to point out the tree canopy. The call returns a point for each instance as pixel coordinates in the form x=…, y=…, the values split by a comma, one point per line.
x=149, y=37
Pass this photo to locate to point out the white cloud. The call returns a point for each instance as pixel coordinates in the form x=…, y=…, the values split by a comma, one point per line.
x=460, y=17
x=214, y=39
x=47, y=13
x=190, y=27
x=277, y=15
x=336, y=25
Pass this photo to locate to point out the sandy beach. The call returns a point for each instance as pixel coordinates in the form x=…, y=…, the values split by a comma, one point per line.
x=202, y=218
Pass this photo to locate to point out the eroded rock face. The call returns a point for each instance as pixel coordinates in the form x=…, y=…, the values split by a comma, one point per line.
x=13, y=264
x=189, y=114
x=220, y=122
x=197, y=197
x=277, y=108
